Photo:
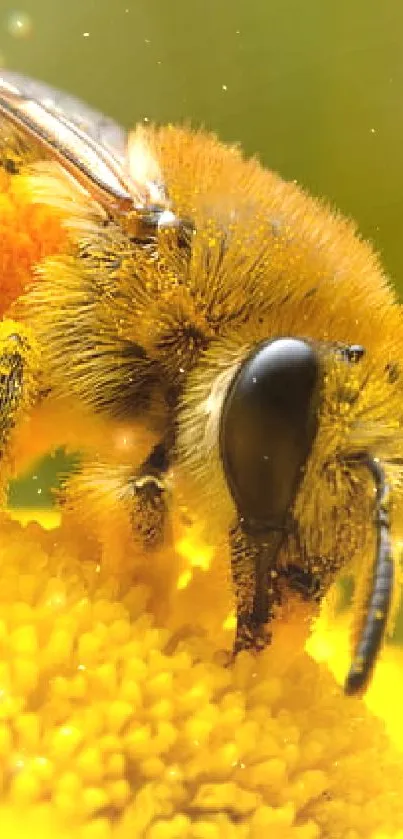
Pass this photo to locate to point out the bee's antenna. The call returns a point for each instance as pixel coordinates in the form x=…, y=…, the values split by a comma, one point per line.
x=382, y=586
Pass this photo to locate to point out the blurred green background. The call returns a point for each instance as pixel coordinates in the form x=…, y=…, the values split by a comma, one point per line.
x=314, y=88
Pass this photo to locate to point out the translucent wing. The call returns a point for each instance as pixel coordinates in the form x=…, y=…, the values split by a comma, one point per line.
x=91, y=147
x=101, y=129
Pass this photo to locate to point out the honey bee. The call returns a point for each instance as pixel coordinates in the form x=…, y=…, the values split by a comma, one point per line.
x=247, y=324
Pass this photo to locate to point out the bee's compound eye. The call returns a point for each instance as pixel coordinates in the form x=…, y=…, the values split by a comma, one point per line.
x=268, y=425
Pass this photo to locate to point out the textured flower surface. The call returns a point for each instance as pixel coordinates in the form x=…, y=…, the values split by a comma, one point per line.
x=119, y=715
x=117, y=720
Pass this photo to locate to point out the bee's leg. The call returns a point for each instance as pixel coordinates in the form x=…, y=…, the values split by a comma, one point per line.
x=256, y=583
x=18, y=386
x=149, y=504
x=110, y=499
x=17, y=383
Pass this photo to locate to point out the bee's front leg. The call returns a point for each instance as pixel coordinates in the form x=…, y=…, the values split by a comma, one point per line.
x=18, y=386
x=149, y=502
x=256, y=584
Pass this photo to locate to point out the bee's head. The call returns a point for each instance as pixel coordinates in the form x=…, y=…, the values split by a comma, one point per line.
x=268, y=425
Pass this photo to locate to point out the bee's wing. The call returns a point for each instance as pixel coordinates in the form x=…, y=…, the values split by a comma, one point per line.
x=102, y=129
x=80, y=140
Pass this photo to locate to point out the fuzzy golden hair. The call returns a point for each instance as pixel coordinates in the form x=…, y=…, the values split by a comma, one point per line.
x=122, y=326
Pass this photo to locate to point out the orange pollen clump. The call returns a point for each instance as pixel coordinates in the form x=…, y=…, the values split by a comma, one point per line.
x=28, y=233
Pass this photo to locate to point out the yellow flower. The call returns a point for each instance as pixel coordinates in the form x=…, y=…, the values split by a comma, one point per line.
x=119, y=718
x=115, y=725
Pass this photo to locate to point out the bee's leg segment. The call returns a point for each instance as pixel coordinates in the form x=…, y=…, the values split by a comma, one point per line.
x=16, y=378
x=381, y=591
x=11, y=380
x=149, y=505
x=256, y=587
x=18, y=370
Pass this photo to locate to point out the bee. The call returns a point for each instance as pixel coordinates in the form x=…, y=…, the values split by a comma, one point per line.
x=248, y=325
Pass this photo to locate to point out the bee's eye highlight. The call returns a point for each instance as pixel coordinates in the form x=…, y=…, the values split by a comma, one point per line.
x=268, y=425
